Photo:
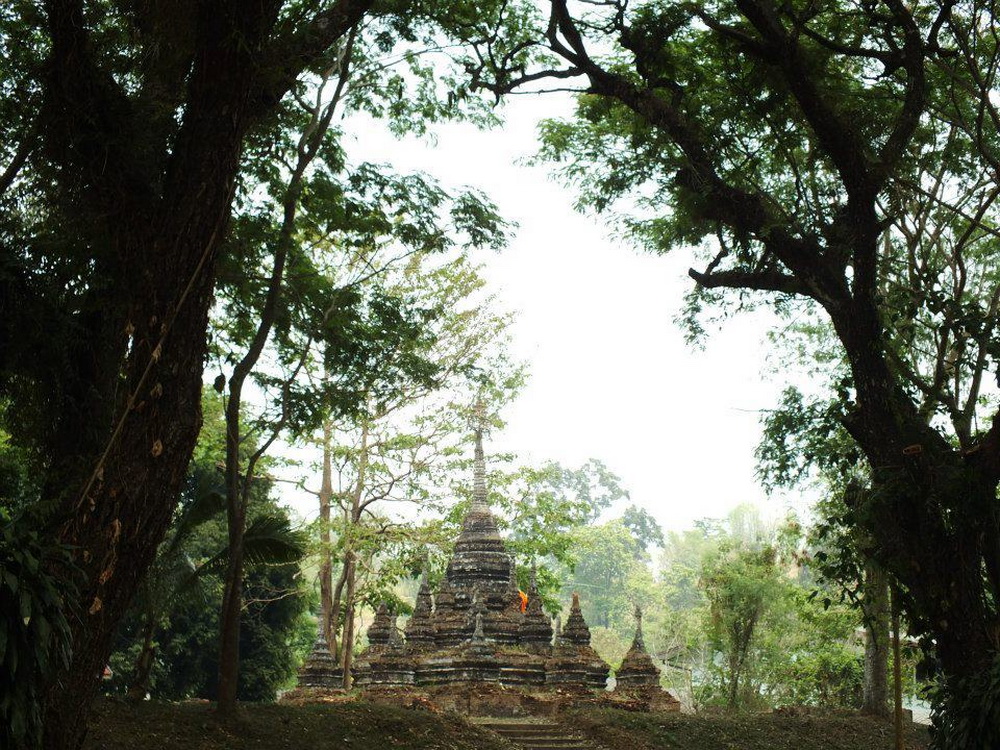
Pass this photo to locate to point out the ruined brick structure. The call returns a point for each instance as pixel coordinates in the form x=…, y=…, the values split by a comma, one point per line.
x=320, y=669
x=471, y=632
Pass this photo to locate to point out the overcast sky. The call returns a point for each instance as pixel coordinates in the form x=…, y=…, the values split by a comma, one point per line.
x=610, y=374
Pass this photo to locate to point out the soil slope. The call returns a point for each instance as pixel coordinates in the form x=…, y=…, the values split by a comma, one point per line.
x=358, y=725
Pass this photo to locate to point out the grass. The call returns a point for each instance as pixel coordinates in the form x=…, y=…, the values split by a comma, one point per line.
x=359, y=725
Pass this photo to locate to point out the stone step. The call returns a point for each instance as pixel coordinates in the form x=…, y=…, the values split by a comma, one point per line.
x=535, y=740
x=549, y=744
x=528, y=731
x=536, y=735
x=553, y=737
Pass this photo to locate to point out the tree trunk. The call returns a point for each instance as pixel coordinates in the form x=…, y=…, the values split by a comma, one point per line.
x=237, y=494
x=156, y=211
x=350, y=555
x=326, y=552
x=932, y=514
x=733, y=700
x=347, y=661
x=232, y=606
x=897, y=676
x=237, y=491
x=876, y=612
x=165, y=242
x=121, y=507
x=120, y=519
x=139, y=687
x=335, y=609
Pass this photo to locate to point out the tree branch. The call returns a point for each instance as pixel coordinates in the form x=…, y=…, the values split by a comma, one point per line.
x=912, y=60
x=764, y=281
x=297, y=50
x=24, y=149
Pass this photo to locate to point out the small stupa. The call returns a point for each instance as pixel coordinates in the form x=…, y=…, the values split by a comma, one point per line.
x=420, y=627
x=535, y=631
x=573, y=661
x=637, y=680
x=320, y=669
x=637, y=669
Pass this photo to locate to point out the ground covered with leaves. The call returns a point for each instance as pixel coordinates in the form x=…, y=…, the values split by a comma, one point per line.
x=358, y=725
x=619, y=730
x=347, y=725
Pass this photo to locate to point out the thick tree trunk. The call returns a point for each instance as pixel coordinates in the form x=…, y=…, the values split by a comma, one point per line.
x=121, y=497
x=876, y=611
x=932, y=511
x=117, y=522
x=929, y=527
x=150, y=201
x=932, y=515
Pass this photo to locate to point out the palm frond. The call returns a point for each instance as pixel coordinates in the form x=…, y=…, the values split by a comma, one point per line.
x=208, y=502
x=271, y=540
x=268, y=540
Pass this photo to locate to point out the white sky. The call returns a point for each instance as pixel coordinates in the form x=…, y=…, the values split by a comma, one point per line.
x=610, y=374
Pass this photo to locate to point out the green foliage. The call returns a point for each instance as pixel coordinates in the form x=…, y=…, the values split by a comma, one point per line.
x=643, y=528
x=837, y=161
x=18, y=471
x=546, y=504
x=345, y=330
x=389, y=552
x=275, y=634
x=742, y=615
x=177, y=607
x=609, y=567
x=609, y=643
x=106, y=197
x=804, y=437
x=278, y=632
x=967, y=717
x=811, y=656
x=743, y=585
x=36, y=580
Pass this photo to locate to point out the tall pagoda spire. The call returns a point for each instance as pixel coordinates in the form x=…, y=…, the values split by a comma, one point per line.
x=480, y=502
x=638, y=642
x=480, y=557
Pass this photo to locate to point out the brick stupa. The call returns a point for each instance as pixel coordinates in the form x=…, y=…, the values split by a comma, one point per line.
x=472, y=629
x=637, y=680
x=469, y=647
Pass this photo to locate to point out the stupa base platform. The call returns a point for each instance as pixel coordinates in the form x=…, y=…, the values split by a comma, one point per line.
x=643, y=700
x=494, y=700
